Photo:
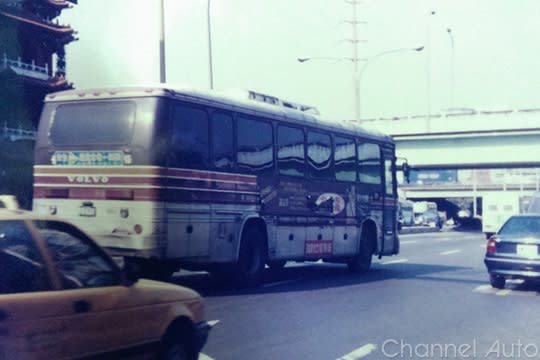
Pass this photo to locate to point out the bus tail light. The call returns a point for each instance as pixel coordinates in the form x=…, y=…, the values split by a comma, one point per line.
x=138, y=229
x=119, y=194
x=491, y=247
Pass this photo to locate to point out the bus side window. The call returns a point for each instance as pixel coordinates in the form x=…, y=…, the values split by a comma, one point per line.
x=222, y=141
x=319, y=155
x=369, y=164
x=345, y=159
x=389, y=179
x=255, y=151
x=290, y=150
x=190, y=138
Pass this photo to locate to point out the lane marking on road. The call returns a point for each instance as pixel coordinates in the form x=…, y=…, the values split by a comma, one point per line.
x=204, y=357
x=408, y=242
x=488, y=289
x=359, y=353
x=213, y=323
x=277, y=283
x=503, y=292
x=450, y=252
x=397, y=261
x=445, y=239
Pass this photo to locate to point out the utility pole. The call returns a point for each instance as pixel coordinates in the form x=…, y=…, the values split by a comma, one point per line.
x=210, y=65
x=162, y=73
x=452, y=67
x=428, y=70
x=355, y=59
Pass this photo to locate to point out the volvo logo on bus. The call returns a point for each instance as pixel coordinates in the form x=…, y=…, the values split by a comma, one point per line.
x=88, y=179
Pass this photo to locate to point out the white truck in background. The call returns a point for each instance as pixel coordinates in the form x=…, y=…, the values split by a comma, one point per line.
x=426, y=214
x=498, y=207
x=534, y=203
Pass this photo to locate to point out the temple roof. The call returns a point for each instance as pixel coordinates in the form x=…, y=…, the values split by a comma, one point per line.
x=60, y=3
x=36, y=21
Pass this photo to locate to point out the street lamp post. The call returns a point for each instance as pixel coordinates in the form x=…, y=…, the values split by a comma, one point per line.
x=162, y=72
x=358, y=73
x=370, y=60
x=210, y=66
x=452, y=69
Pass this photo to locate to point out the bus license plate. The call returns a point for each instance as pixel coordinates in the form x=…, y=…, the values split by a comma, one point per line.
x=88, y=211
x=527, y=250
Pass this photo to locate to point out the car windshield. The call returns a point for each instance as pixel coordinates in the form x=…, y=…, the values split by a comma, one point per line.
x=521, y=225
x=21, y=265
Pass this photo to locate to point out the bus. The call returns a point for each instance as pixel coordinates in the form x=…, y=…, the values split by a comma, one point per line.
x=168, y=178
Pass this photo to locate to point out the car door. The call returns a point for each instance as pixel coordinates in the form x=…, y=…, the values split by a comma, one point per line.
x=32, y=320
x=106, y=315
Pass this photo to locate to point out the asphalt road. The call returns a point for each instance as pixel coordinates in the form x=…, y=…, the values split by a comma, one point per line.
x=433, y=301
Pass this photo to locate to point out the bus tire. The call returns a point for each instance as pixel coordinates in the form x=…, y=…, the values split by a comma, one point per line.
x=154, y=269
x=361, y=262
x=252, y=258
x=276, y=264
x=163, y=271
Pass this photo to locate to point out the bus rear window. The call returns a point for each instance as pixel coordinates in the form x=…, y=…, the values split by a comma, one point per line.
x=104, y=122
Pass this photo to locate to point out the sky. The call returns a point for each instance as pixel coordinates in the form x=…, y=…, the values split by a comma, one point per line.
x=487, y=61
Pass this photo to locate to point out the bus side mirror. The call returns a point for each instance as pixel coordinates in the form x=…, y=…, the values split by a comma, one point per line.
x=406, y=171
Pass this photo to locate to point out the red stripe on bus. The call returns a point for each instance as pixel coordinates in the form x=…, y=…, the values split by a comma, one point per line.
x=163, y=194
x=96, y=175
x=212, y=175
x=148, y=184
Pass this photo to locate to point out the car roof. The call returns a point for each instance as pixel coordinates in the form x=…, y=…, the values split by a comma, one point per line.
x=525, y=215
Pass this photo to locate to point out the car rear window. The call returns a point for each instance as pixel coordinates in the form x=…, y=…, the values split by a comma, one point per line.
x=521, y=225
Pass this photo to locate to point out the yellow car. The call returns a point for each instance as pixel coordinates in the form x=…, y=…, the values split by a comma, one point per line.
x=62, y=296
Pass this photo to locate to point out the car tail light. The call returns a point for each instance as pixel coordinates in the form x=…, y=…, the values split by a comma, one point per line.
x=491, y=247
x=138, y=229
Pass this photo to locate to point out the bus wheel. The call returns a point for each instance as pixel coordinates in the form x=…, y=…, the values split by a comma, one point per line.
x=250, y=266
x=163, y=271
x=361, y=262
x=154, y=269
x=276, y=264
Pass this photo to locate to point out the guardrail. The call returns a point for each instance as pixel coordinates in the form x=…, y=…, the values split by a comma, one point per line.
x=17, y=134
x=26, y=69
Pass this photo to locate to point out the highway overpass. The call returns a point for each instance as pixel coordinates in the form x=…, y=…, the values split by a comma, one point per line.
x=467, y=153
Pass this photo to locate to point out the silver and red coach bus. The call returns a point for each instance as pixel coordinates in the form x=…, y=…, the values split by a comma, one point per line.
x=173, y=178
